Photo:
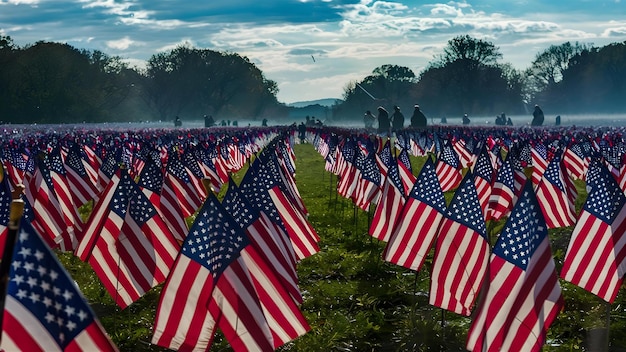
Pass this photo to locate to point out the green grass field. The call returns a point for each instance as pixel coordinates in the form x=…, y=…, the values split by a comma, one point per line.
x=355, y=301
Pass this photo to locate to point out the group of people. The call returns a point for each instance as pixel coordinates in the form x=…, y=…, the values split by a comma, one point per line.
x=394, y=122
x=502, y=120
x=390, y=123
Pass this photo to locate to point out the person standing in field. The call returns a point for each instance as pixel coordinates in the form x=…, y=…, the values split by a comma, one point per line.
x=397, y=119
x=418, y=119
x=537, y=117
x=368, y=120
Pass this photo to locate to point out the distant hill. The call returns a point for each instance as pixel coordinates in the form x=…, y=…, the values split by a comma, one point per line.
x=322, y=102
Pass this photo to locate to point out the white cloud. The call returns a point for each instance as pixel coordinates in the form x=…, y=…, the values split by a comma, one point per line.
x=20, y=2
x=120, y=44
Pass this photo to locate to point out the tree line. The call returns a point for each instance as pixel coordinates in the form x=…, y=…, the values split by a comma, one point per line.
x=468, y=77
x=49, y=82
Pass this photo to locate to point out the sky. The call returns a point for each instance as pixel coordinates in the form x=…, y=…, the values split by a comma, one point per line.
x=314, y=48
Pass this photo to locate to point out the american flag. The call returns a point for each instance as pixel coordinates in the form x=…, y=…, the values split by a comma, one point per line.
x=44, y=309
x=348, y=172
x=576, y=160
x=212, y=286
x=273, y=270
x=92, y=163
x=264, y=187
x=447, y=168
x=556, y=194
x=483, y=178
x=524, y=295
x=539, y=154
x=461, y=252
x=108, y=168
x=597, y=249
x=286, y=161
x=389, y=205
x=15, y=163
x=369, y=181
x=63, y=190
x=503, y=195
x=180, y=197
x=126, y=242
x=83, y=189
x=418, y=224
x=384, y=158
x=266, y=234
x=5, y=207
x=464, y=153
x=406, y=170
x=47, y=217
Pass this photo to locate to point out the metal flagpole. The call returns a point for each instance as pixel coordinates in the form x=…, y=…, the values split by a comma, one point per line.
x=366, y=92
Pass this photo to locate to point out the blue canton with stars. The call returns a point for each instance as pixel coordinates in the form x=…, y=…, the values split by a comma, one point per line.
x=524, y=230
x=427, y=188
x=505, y=174
x=121, y=198
x=449, y=156
x=41, y=285
x=176, y=168
x=404, y=158
x=385, y=155
x=74, y=161
x=465, y=207
x=483, y=168
x=393, y=174
x=151, y=177
x=238, y=206
x=368, y=167
x=215, y=239
x=553, y=172
x=5, y=201
x=605, y=199
x=110, y=165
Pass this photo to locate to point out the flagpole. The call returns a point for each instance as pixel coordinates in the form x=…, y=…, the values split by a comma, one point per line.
x=16, y=212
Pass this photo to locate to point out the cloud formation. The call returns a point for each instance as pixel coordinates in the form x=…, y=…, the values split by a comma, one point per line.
x=346, y=38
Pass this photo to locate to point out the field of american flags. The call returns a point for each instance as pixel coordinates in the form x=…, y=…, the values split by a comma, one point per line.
x=352, y=298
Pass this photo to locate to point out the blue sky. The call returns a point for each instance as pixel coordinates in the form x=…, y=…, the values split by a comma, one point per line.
x=346, y=38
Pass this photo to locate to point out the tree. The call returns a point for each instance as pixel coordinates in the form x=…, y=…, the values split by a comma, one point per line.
x=387, y=85
x=474, y=52
x=201, y=81
x=548, y=66
x=593, y=81
x=53, y=83
x=466, y=78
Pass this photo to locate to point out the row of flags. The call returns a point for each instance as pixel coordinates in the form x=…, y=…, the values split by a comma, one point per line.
x=510, y=289
x=232, y=269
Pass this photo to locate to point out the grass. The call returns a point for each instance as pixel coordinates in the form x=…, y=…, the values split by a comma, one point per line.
x=355, y=301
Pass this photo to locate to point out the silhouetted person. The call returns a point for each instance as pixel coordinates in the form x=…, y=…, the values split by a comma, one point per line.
x=302, y=132
x=509, y=122
x=501, y=120
x=397, y=119
x=418, y=119
x=558, y=120
x=264, y=123
x=177, y=122
x=466, y=120
x=208, y=121
x=537, y=117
